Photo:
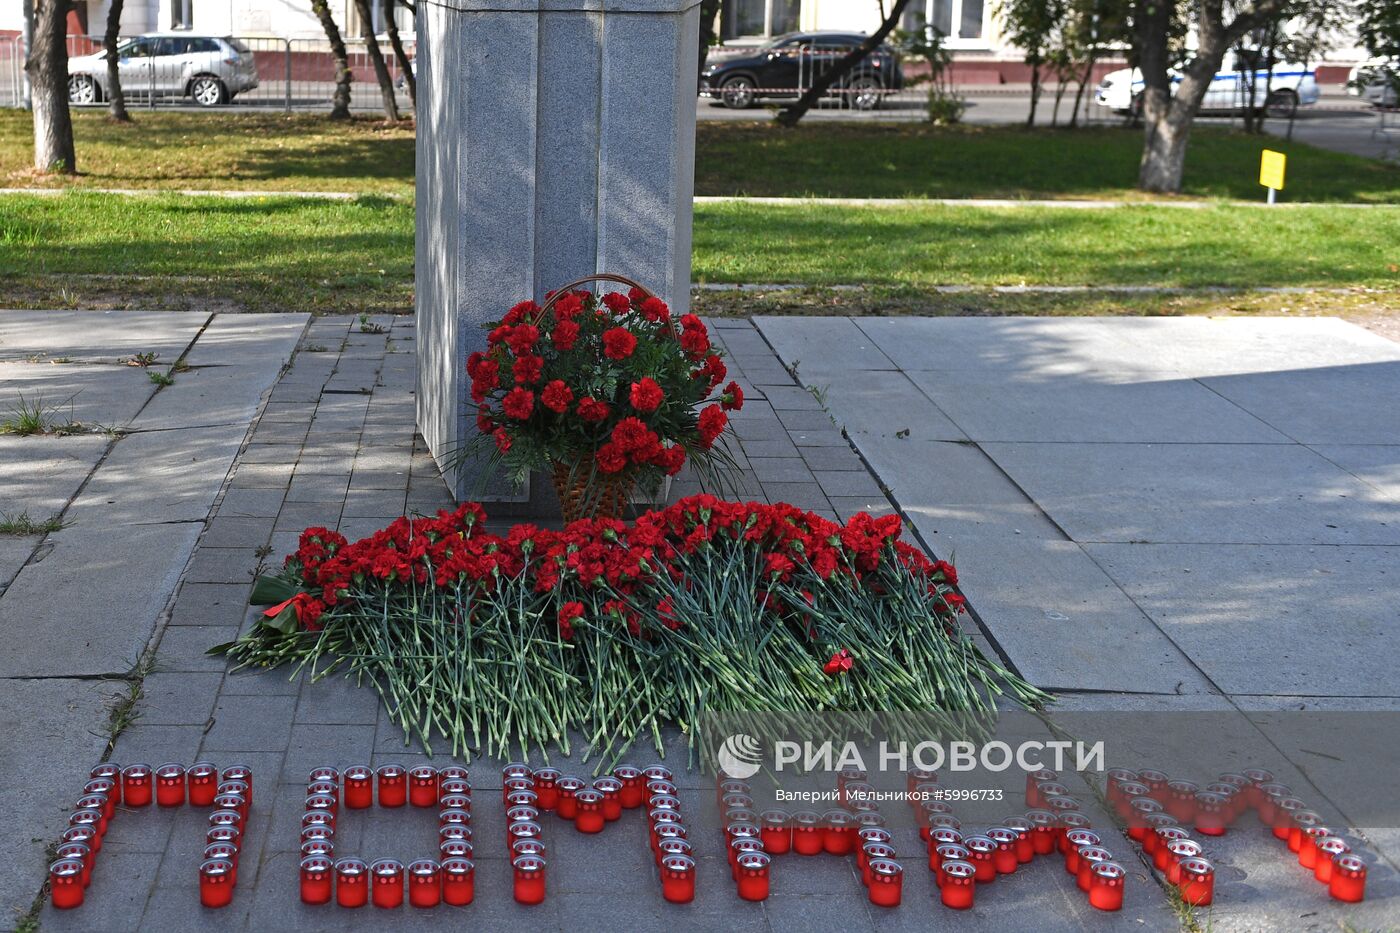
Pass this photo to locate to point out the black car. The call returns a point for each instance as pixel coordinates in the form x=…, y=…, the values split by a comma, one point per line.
x=789, y=64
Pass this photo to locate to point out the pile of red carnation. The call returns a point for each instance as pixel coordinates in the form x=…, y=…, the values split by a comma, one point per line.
x=613, y=386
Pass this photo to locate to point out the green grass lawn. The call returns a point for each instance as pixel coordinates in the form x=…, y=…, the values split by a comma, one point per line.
x=307, y=152
x=308, y=254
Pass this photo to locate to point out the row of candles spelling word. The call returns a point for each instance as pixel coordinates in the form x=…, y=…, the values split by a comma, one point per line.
x=110, y=786
x=752, y=839
x=449, y=879
x=1155, y=806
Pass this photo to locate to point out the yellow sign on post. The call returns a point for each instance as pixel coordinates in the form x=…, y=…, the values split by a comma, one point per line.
x=1271, y=166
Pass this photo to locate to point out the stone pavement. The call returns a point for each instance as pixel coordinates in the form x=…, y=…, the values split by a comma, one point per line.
x=334, y=445
x=132, y=488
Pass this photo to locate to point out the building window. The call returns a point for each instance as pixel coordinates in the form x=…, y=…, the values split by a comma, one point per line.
x=961, y=22
x=760, y=18
x=181, y=14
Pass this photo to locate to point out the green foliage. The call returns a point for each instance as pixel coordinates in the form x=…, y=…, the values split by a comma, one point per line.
x=945, y=106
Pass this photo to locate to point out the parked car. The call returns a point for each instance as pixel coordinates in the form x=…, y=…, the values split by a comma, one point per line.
x=1289, y=87
x=788, y=64
x=208, y=69
x=1377, y=82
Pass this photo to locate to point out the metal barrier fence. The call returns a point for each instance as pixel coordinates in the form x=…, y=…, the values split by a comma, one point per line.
x=199, y=71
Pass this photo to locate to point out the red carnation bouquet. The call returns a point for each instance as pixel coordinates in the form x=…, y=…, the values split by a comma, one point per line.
x=606, y=394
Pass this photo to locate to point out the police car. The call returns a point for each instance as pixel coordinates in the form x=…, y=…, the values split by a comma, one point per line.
x=1289, y=87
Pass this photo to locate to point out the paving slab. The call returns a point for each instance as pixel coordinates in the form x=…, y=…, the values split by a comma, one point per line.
x=1272, y=620
x=97, y=336
x=1375, y=464
x=820, y=345
x=96, y=396
x=1200, y=493
x=1354, y=404
x=50, y=743
x=39, y=475
x=1117, y=407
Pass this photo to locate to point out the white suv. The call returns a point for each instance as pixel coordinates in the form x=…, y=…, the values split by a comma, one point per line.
x=209, y=69
x=1290, y=86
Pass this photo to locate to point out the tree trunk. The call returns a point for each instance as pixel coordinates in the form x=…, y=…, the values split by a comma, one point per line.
x=116, y=100
x=47, y=68
x=1059, y=96
x=400, y=56
x=792, y=113
x=340, y=101
x=1035, y=94
x=1084, y=78
x=376, y=58
x=709, y=11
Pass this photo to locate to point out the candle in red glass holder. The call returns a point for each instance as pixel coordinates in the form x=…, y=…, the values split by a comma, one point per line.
x=588, y=811
x=1308, y=851
x=317, y=831
x=423, y=786
x=1179, y=851
x=568, y=786
x=136, y=785
x=323, y=773
x=1155, y=823
x=90, y=818
x=458, y=881
x=1212, y=815
x=230, y=818
x=359, y=787
x=730, y=801
x=1113, y=777
x=240, y=773
x=658, y=772
x=724, y=788
x=611, y=790
x=424, y=883
x=864, y=837
x=1004, y=858
x=1043, y=831
x=316, y=873
x=775, y=829
x=516, y=769
x=936, y=838
x=1025, y=851
x=1299, y=821
x=455, y=832
x=869, y=852
x=1066, y=822
x=351, y=882
x=529, y=879
x=1165, y=836
x=1089, y=856
x=324, y=802
x=807, y=833
x=170, y=785
x=543, y=783
x=741, y=798
x=230, y=834
x=957, y=886
x=1257, y=777
x=392, y=785
x=453, y=773
x=1284, y=808
x=84, y=833
x=1106, y=886
x=633, y=786
x=1196, y=881
x=1327, y=850
x=751, y=872
x=678, y=879
x=1156, y=782
x=455, y=817
x=1078, y=839
x=837, y=832
x=738, y=847
x=1062, y=806
x=511, y=785
x=1265, y=799
x=216, y=882
x=1348, y=882
x=525, y=829
x=930, y=810
x=329, y=788
x=202, y=782
x=981, y=852
x=453, y=785
x=944, y=853
x=1180, y=799
x=107, y=790
x=944, y=821
x=80, y=851
x=239, y=804
x=459, y=848
x=322, y=847
x=99, y=803
x=1230, y=800
x=109, y=770
x=463, y=802
x=1034, y=779
x=318, y=818
x=886, y=882
x=1139, y=808
x=671, y=802
x=1046, y=789
x=849, y=775
x=66, y=883
x=223, y=850
x=1127, y=791
x=386, y=882
x=917, y=776
x=241, y=788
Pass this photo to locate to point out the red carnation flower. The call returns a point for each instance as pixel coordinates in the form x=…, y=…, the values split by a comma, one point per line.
x=556, y=396
x=520, y=403
x=712, y=423
x=502, y=439
x=473, y=362
x=528, y=369
x=618, y=343
x=498, y=335
x=565, y=334
x=695, y=342
x=839, y=663
x=486, y=380
x=617, y=303
x=671, y=459
x=631, y=434
x=611, y=458
x=484, y=422
x=646, y=395
x=733, y=398
x=522, y=339
x=590, y=409
x=569, y=613
x=655, y=310
x=569, y=306
x=522, y=311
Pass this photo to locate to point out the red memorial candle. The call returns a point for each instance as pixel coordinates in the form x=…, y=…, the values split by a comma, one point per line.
x=170, y=785
x=316, y=872
x=588, y=811
x=633, y=786
x=202, y=780
x=1089, y=856
x=1106, y=886
x=807, y=833
x=386, y=879
x=1004, y=858
x=886, y=882
x=458, y=881
x=981, y=852
x=423, y=786
x=80, y=851
x=775, y=828
x=1348, y=882
x=678, y=879
x=240, y=773
x=1043, y=831
x=136, y=785
x=529, y=879
x=837, y=832
x=1078, y=839
x=567, y=807
x=66, y=883
x=216, y=882
x=957, y=884
x=424, y=883
x=1197, y=884
x=1178, y=852
x=1025, y=850
x=351, y=882
x=1327, y=850
x=611, y=790
x=752, y=875
x=393, y=787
